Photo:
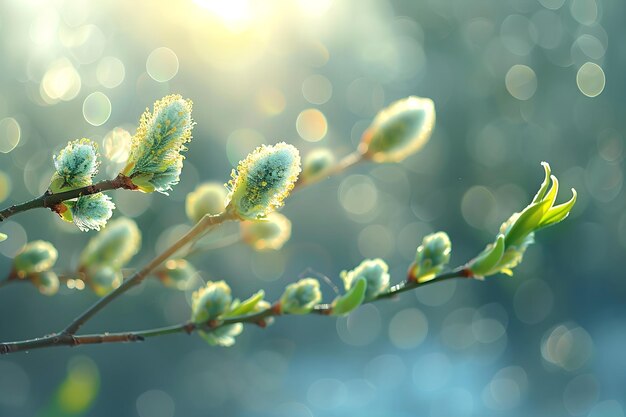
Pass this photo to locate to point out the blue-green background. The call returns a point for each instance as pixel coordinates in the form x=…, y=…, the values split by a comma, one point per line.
x=481, y=354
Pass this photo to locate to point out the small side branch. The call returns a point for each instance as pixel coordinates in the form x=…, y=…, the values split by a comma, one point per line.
x=50, y=200
x=139, y=276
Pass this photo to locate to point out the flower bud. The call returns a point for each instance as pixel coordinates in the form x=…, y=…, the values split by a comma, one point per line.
x=263, y=180
x=207, y=198
x=300, y=297
x=431, y=256
x=177, y=274
x=89, y=212
x=399, y=130
x=316, y=164
x=223, y=335
x=376, y=275
x=103, y=279
x=47, y=282
x=271, y=232
x=210, y=302
x=114, y=246
x=75, y=165
x=155, y=162
x=34, y=257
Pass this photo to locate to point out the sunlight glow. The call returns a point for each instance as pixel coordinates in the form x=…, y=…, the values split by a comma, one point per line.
x=236, y=14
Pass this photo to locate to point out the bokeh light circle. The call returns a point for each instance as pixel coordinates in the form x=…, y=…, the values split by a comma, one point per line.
x=521, y=82
x=361, y=327
x=116, y=145
x=312, y=125
x=552, y=4
x=97, y=108
x=533, y=301
x=5, y=186
x=10, y=134
x=408, y=328
x=110, y=72
x=155, y=403
x=60, y=82
x=162, y=64
x=567, y=346
x=590, y=79
x=317, y=89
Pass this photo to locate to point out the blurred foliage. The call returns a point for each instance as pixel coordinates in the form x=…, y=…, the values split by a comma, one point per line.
x=76, y=394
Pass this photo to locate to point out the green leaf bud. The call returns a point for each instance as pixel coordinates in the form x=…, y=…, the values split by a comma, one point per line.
x=556, y=214
x=155, y=160
x=519, y=230
x=75, y=166
x=177, y=274
x=263, y=180
x=543, y=188
x=210, y=302
x=208, y=198
x=36, y=256
x=488, y=259
x=241, y=308
x=223, y=335
x=540, y=213
x=376, y=274
x=3, y=237
x=114, y=246
x=269, y=233
x=91, y=212
x=344, y=304
x=103, y=279
x=47, y=282
x=300, y=297
x=316, y=164
x=399, y=130
x=431, y=256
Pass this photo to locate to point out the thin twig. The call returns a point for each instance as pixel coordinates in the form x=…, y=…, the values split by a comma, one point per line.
x=346, y=162
x=51, y=200
x=68, y=335
x=138, y=276
x=67, y=339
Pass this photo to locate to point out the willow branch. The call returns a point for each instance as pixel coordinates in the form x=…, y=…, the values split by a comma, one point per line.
x=68, y=335
x=51, y=200
x=196, y=231
x=346, y=162
x=68, y=339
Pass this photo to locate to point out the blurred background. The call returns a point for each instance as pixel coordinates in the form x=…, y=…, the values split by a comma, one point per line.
x=515, y=82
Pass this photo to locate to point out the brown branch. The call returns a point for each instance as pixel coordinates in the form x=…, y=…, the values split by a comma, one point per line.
x=137, y=277
x=68, y=335
x=51, y=200
x=67, y=339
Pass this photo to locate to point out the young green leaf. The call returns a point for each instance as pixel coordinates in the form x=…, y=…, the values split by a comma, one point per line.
x=558, y=213
x=488, y=259
x=246, y=306
x=350, y=300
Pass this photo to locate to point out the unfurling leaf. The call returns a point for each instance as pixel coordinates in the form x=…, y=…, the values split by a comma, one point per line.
x=350, y=300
